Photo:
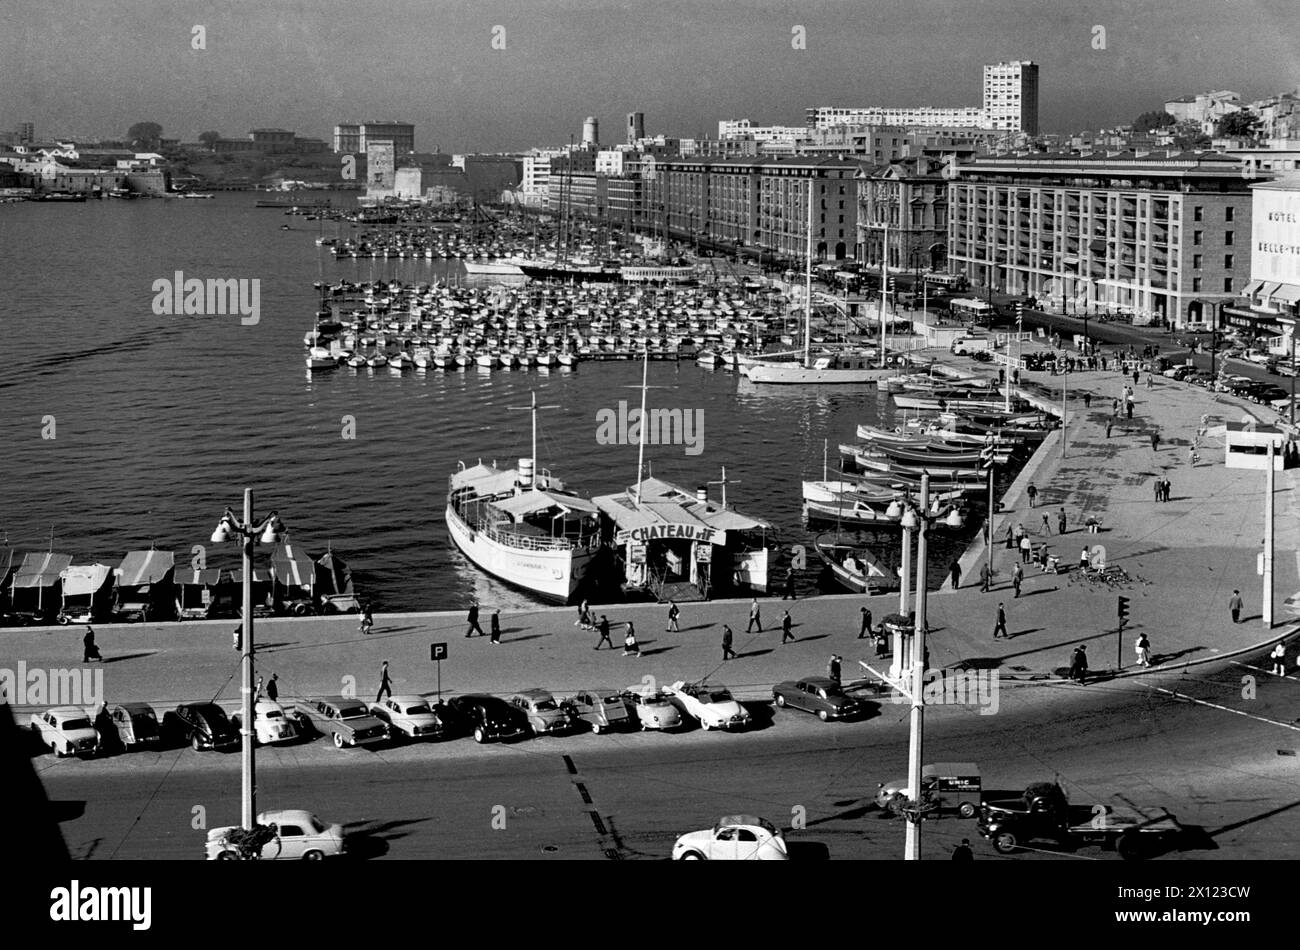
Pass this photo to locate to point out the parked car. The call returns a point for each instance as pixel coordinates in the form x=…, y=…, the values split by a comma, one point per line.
x=1179, y=372
x=489, y=717
x=270, y=723
x=817, y=695
x=299, y=835
x=713, y=706
x=601, y=709
x=545, y=716
x=65, y=730
x=203, y=725
x=347, y=721
x=652, y=708
x=409, y=717
x=1269, y=393
x=128, y=726
x=733, y=838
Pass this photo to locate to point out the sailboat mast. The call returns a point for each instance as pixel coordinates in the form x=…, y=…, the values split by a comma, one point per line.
x=807, y=320
x=884, y=286
x=534, y=408
x=640, y=454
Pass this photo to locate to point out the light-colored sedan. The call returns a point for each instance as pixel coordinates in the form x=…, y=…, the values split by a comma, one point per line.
x=299, y=835
x=601, y=709
x=733, y=838
x=65, y=730
x=653, y=709
x=270, y=724
x=713, y=706
x=407, y=716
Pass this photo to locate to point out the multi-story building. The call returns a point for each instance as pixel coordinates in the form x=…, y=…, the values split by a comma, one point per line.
x=357, y=137
x=635, y=127
x=904, y=205
x=271, y=140
x=1279, y=119
x=26, y=132
x=1160, y=234
x=381, y=169
x=1205, y=109
x=1011, y=97
x=1270, y=302
x=825, y=117
x=783, y=194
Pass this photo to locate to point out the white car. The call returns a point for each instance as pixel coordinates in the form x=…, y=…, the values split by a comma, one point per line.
x=270, y=724
x=407, y=716
x=66, y=730
x=733, y=838
x=713, y=706
x=653, y=709
x=299, y=835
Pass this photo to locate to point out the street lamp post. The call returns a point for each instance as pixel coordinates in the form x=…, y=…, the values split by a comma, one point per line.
x=268, y=531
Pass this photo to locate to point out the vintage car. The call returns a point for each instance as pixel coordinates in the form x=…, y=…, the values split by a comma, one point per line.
x=409, y=717
x=600, y=709
x=945, y=787
x=713, y=706
x=65, y=730
x=298, y=835
x=733, y=838
x=203, y=725
x=653, y=709
x=489, y=717
x=270, y=723
x=347, y=721
x=818, y=695
x=545, y=716
x=127, y=726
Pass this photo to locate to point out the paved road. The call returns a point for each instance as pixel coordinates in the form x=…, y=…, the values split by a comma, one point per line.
x=1232, y=775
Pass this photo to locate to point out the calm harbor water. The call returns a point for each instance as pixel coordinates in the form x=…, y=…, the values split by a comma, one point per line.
x=159, y=422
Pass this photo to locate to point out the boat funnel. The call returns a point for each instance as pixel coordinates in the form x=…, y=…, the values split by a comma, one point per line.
x=525, y=473
x=702, y=494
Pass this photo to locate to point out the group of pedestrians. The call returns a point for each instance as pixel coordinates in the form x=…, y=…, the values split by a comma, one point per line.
x=476, y=630
x=1161, y=488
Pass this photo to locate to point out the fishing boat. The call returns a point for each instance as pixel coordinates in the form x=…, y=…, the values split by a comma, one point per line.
x=882, y=463
x=523, y=526
x=855, y=567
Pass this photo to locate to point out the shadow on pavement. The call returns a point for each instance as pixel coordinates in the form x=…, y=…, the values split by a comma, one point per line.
x=659, y=650
x=127, y=656
x=808, y=851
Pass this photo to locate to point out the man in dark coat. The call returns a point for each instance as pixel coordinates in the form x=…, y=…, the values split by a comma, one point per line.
x=865, y=628
x=786, y=624
x=727, y=652
x=1000, y=626
x=603, y=627
x=954, y=572
x=496, y=626
x=473, y=621
x=273, y=688
x=833, y=669
x=88, y=649
x=1079, y=664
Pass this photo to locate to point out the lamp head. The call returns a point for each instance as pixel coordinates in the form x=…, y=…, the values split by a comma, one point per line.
x=910, y=519
x=894, y=510
x=274, y=530
x=223, y=531
x=955, y=519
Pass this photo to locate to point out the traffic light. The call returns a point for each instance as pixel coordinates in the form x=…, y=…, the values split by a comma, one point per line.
x=1123, y=612
x=988, y=455
x=1020, y=315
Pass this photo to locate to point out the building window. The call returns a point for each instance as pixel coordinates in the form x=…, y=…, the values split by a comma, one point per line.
x=1228, y=212
x=1196, y=285
x=1197, y=213
x=1196, y=261
x=1227, y=285
x=1227, y=261
x=1227, y=239
x=1196, y=238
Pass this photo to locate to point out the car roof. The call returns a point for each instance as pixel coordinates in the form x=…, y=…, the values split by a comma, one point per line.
x=742, y=820
x=408, y=699
x=535, y=693
x=67, y=711
x=822, y=682
x=135, y=708
x=285, y=815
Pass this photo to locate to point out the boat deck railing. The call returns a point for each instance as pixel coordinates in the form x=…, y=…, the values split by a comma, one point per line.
x=530, y=542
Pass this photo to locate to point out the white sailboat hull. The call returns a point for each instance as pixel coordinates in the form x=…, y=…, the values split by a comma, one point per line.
x=551, y=574
x=795, y=373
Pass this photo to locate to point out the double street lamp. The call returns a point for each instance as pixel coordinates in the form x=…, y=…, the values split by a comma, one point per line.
x=916, y=518
x=269, y=530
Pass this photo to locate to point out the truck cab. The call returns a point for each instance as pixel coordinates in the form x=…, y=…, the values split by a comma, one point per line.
x=1044, y=813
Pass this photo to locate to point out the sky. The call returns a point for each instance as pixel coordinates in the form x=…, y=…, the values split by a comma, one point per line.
x=92, y=68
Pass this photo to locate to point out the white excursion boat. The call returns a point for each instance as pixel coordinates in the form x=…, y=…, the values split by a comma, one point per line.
x=523, y=528
x=493, y=268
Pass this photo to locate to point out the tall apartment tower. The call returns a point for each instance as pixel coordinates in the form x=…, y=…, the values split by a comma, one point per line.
x=1011, y=96
x=635, y=127
x=26, y=132
x=590, y=133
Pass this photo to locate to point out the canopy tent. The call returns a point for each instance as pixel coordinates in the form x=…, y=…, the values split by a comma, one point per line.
x=333, y=575
x=292, y=568
x=39, y=573
x=139, y=568
x=85, y=580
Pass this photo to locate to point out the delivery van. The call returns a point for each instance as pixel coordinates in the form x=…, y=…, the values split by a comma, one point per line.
x=945, y=787
x=970, y=345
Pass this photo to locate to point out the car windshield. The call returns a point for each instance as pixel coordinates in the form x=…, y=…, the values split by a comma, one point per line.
x=272, y=714
x=719, y=696
x=417, y=708
x=76, y=724
x=545, y=705
x=352, y=712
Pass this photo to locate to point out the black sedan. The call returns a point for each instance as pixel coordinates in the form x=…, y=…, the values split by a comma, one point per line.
x=488, y=717
x=819, y=696
x=203, y=725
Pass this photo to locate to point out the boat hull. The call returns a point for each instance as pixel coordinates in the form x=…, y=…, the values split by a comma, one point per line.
x=795, y=374
x=552, y=575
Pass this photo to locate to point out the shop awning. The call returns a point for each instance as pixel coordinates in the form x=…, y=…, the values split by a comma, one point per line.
x=261, y=575
x=144, y=567
x=82, y=579
x=208, y=577
x=40, y=570
x=1290, y=293
x=1269, y=289
x=1251, y=287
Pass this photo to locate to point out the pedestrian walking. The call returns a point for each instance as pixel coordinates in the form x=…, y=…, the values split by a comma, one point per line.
x=1010, y=539
x=1108, y=425
x=1155, y=441
x=1149, y=384
x=496, y=626
x=833, y=670
x=1192, y=456
x=1000, y=625
x=1026, y=548
x=881, y=642
x=1165, y=490
x=1159, y=487
x=1278, y=656
x=755, y=620
x=954, y=572
x=1032, y=492
x=1114, y=408
x=630, y=646
x=727, y=652
x=273, y=688
x=583, y=617
x=1085, y=561
x=1079, y=664
x=963, y=852
x=786, y=625
x=1128, y=407
x=237, y=639
x=473, y=621
x=673, y=613
x=90, y=652
x=1136, y=373
x=604, y=633
x=257, y=690
x=1047, y=524
x=866, y=623
x=788, y=592
x=1143, y=649
x=1060, y=522
x=385, y=683
x=1017, y=576
x=1235, y=605
x=1043, y=559
x=985, y=577
x=367, y=619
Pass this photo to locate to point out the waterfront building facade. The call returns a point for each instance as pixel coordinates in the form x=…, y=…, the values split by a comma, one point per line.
x=357, y=137
x=825, y=117
x=1160, y=235
x=903, y=205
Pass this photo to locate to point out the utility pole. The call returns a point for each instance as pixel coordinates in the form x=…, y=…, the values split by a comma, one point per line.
x=1268, y=539
x=916, y=740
